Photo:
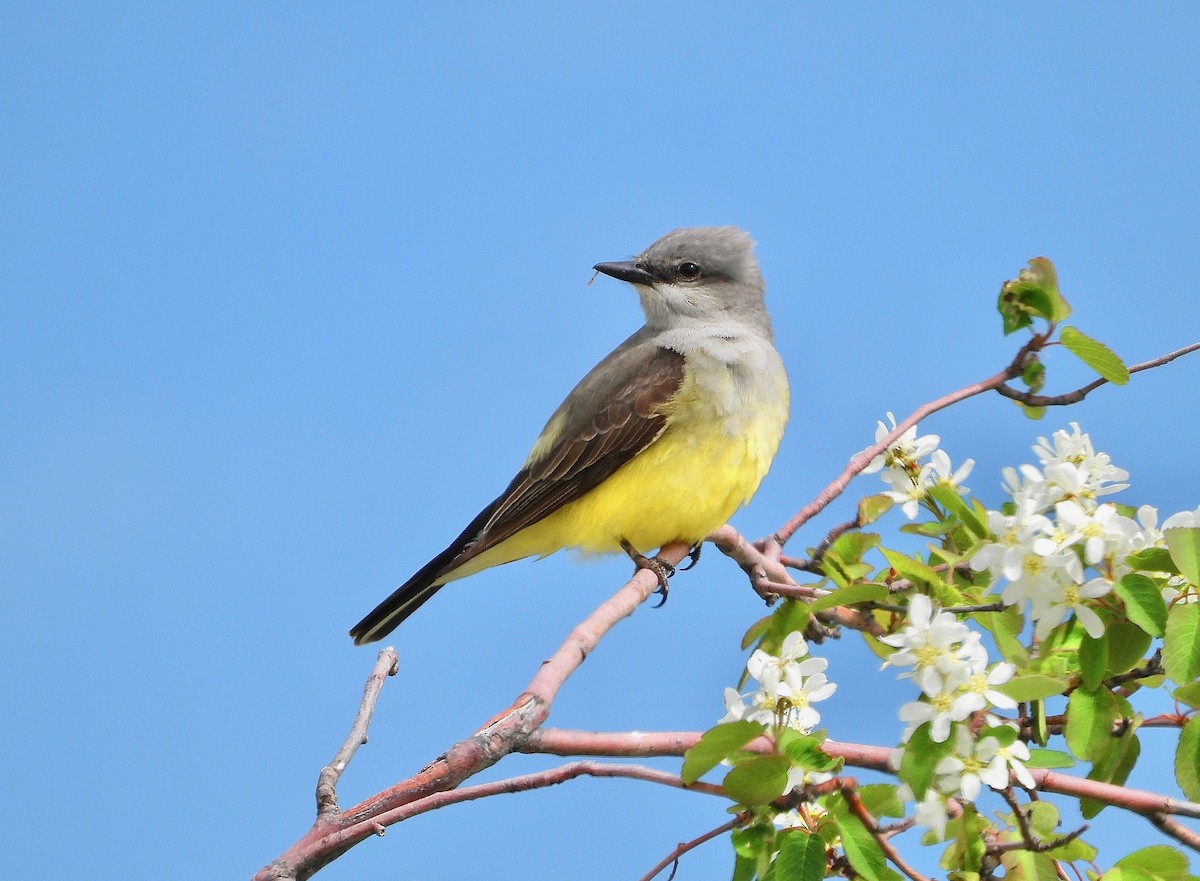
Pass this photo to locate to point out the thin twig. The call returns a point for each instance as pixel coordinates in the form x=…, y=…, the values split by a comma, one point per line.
x=862, y=460
x=849, y=789
x=958, y=610
x=1074, y=397
x=334, y=833
x=385, y=665
x=813, y=564
x=541, y=780
x=993, y=383
x=1176, y=830
x=1022, y=818
x=672, y=859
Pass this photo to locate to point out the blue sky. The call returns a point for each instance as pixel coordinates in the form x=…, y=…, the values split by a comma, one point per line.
x=287, y=291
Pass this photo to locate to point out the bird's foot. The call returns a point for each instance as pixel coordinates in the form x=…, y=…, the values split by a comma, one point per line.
x=661, y=569
x=693, y=557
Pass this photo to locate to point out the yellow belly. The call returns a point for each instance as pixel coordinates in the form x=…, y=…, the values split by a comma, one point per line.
x=683, y=486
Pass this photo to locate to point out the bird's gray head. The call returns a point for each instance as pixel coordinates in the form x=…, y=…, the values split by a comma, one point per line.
x=697, y=274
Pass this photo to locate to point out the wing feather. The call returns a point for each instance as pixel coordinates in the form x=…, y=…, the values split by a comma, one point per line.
x=610, y=417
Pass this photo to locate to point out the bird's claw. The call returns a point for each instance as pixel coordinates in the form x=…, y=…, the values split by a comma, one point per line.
x=661, y=568
x=693, y=557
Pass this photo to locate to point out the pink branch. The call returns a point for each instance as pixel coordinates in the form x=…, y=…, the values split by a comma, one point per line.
x=673, y=857
x=863, y=459
x=334, y=833
x=541, y=780
x=386, y=665
x=993, y=383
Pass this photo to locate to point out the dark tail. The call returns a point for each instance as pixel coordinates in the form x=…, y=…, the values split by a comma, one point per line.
x=411, y=595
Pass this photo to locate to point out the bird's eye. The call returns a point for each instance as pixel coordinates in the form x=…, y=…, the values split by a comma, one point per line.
x=688, y=271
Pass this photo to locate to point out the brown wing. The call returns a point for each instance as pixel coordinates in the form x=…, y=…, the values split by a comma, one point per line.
x=591, y=447
x=611, y=416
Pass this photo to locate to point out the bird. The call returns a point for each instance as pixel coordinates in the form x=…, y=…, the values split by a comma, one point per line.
x=660, y=442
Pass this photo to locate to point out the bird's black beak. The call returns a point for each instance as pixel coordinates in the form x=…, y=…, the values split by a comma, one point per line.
x=627, y=271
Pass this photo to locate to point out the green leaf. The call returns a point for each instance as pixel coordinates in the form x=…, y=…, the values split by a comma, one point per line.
x=1032, y=412
x=848, y=596
x=1041, y=728
x=1021, y=865
x=744, y=868
x=1184, y=545
x=921, y=755
x=964, y=857
x=755, y=631
x=788, y=617
x=805, y=751
x=914, y=570
x=750, y=841
x=1033, y=374
x=1181, y=644
x=1152, y=560
x=1127, y=644
x=1049, y=758
x=872, y=508
x=1188, y=694
x=1143, y=602
x=801, y=858
x=1159, y=861
x=1033, y=687
x=881, y=800
x=1043, y=819
x=950, y=499
x=758, y=780
x=1187, y=759
x=862, y=850
x=1005, y=628
x=1093, y=660
x=1032, y=294
x=1095, y=355
x=1113, y=766
x=1126, y=873
x=1090, y=718
x=716, y=745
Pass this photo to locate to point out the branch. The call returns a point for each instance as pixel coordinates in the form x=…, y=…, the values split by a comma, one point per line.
x=1032, y=400
x=1137, y=800
x=672, y=859
x=770, y=578
x=1176, y=830
x=334, y=833
x=862, y=460
x=541, y=780
x=386, y=665
x=849, y=790
x=565, y=742
x=997, y=383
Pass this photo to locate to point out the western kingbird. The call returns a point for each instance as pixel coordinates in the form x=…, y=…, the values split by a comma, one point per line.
x=661, y=442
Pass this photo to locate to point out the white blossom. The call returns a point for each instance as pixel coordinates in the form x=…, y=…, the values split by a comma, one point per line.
x=1073, y=598
x=1103, y=533
x=1015, y=537
x=905, y=452
x=789, y=684
x=930, y=645
x=1185, y=519
x=940, y=711
x=932, y=814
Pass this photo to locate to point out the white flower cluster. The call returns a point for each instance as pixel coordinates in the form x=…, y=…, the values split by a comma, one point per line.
x=1062, y=548
x=788, y=685
x=962, y=774
x=950, y=666
x=908, y=477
